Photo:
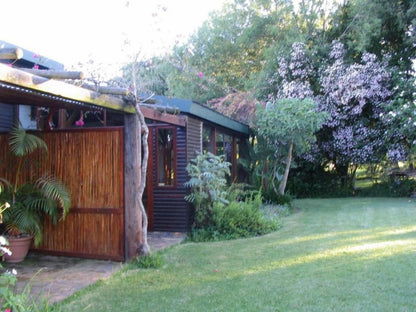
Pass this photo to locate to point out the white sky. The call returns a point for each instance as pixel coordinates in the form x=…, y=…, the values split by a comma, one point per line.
x=73, y=31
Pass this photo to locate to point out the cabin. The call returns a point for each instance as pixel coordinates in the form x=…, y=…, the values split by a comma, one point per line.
x=173, y=145
x=93, y=147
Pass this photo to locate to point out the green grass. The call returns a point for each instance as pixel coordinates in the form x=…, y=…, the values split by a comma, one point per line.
x=332, y=255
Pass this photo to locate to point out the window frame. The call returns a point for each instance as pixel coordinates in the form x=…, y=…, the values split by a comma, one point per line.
x=175, y=158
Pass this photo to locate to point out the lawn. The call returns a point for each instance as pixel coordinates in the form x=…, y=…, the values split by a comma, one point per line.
x=356, y=254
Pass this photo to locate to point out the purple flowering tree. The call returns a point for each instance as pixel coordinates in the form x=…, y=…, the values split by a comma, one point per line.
x=355, y=96
x=294, y=74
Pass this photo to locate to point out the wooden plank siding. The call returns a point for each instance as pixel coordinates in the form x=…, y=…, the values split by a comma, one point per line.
x=193, y=138
x=90, y=163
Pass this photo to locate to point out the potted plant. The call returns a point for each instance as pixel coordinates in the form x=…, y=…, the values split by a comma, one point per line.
x=30, y=201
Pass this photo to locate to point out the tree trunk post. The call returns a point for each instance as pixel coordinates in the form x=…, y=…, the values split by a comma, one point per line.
x=143, y=248
x=132, y=181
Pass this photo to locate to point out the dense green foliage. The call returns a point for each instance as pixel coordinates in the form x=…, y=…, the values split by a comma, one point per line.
x=393, y=187
x=223, y=212
x=284, y=128
x=239, y=219
x=207, y=180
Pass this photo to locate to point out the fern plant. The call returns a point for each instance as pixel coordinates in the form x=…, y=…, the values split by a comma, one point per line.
x=208, y=183
x=31, y=201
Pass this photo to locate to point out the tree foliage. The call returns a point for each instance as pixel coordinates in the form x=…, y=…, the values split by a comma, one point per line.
x=258, y=51
x=287, y=127
x=208, y=181
x=354, y=96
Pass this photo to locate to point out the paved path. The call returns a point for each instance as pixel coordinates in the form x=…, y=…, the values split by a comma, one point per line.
x=60, y=277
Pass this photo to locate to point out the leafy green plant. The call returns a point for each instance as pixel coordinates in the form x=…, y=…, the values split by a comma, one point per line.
x=20, y=301
x=243, y=219
x=149, y=261
x=31, y=201
x=270, y=196
x=208, y=185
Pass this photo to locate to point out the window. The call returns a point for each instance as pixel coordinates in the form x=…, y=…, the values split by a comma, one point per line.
x=166, y=168
x=207, y=139
x=224, y=146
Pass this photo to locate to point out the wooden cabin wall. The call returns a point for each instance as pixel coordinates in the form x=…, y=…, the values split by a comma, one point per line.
x=194, y=138
x=90, y=163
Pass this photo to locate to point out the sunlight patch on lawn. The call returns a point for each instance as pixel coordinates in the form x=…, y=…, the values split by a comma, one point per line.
x=365, y=250
x=404, y=230
x=310, y=238
x=359, y=235
x=377, y=246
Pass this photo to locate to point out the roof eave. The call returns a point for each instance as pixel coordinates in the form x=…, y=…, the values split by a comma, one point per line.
x=61, y=89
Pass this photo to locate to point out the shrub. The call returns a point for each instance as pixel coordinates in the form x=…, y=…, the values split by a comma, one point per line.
x=238, y=219
x=271, y=197
x=208, y=184
x=314, y=182
x=220, y=213
x=392, y=188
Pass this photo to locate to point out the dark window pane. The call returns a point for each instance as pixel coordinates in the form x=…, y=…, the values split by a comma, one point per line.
x=165, y=157
x=207, y=139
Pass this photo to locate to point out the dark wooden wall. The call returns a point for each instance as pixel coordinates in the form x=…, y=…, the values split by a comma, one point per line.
x=90, y=163
x=194, y=138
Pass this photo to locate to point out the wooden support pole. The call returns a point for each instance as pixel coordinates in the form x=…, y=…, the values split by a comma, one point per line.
x=54, y=74
x=107, y=89
x=132, y=180
x=113, y=90
x=11, y=53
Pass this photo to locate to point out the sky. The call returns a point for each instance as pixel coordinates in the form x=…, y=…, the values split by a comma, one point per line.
x=76, y=31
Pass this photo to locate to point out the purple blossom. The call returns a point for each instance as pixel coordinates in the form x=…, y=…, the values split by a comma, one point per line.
x=354, y=95
x=397, y=153
x=294, y=74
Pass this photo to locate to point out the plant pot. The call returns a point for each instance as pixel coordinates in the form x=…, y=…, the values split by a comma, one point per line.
x=19, y=246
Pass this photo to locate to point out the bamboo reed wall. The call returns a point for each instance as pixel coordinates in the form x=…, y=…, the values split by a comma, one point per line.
x=90, y=163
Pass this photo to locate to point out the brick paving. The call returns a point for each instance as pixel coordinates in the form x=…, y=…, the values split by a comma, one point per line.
x=59, y=277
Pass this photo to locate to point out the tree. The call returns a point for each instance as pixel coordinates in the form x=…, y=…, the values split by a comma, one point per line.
x=400, y=119
x=142, y=132
x=240, y=106
x=381, y=27
x=287, y=127
x=354, y=96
